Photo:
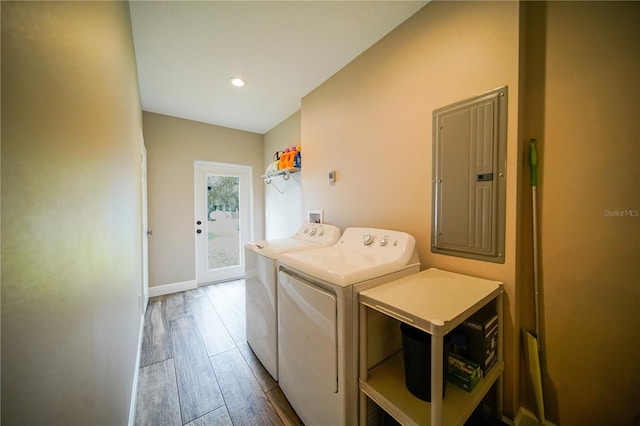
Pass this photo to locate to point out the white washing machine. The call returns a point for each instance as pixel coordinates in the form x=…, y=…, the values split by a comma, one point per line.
x=260, y=286
x=318, y=319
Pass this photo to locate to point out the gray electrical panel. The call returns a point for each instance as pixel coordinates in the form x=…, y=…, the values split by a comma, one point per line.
x=469, y=188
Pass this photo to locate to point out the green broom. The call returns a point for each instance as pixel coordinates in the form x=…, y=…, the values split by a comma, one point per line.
x=533, y=349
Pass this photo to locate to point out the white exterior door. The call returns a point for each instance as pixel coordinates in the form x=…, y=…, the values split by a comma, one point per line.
x=222, y=220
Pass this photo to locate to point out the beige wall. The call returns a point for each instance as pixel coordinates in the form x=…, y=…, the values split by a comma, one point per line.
x=283, y=212
x=371, y=122
x=173, y=144
x=578, y=64
x=586, y=116
x=71, y=241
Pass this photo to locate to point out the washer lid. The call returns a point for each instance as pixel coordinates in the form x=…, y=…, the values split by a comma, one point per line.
x=274, y=248
x=309, y=236
x=360, y=255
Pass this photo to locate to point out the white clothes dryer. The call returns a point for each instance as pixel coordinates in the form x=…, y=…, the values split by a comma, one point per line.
x=318, y=319
x=260, y=286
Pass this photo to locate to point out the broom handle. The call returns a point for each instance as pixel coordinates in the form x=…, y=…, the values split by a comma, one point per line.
x=533, y=162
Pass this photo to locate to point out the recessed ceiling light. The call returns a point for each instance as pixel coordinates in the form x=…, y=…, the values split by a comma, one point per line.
x=237, y=81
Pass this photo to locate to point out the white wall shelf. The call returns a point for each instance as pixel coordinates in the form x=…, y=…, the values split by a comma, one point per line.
x=434, y=301
x=284, y=174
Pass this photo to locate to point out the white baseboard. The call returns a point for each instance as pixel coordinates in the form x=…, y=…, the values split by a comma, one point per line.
x=134, y=388
x=161, y=290
x=525, y=417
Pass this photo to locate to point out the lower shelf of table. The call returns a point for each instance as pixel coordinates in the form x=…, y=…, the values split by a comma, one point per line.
x=385, y=386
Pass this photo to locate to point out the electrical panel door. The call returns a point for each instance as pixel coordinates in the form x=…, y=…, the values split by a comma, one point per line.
x=469, y=147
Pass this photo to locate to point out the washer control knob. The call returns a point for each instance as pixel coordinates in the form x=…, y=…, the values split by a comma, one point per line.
x=321, y=233
x=312, y=231
x=367, y=239
x=384, y=241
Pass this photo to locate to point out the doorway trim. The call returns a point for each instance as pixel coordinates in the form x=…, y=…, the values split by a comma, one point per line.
x=144, y=222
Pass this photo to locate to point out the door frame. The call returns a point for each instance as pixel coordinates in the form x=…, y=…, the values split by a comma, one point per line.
x=144, y=219
x=241, y=170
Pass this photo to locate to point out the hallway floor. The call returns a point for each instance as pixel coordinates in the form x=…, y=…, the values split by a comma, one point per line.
x=196, y=367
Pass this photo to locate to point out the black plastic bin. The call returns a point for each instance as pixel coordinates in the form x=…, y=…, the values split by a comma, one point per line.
x=416, y=346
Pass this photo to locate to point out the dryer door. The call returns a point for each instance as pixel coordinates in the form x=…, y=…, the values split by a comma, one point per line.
x=308, y=348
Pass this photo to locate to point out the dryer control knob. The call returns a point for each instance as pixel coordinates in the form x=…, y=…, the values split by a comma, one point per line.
x=367, y=240
x=384, y=241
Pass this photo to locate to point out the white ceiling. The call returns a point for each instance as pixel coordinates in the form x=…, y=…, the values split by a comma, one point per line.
x=187, y=51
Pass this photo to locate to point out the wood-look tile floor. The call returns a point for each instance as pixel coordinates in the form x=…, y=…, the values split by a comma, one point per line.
x=197, y=368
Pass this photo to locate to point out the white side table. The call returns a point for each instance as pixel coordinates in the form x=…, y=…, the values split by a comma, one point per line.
x=434, y=301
